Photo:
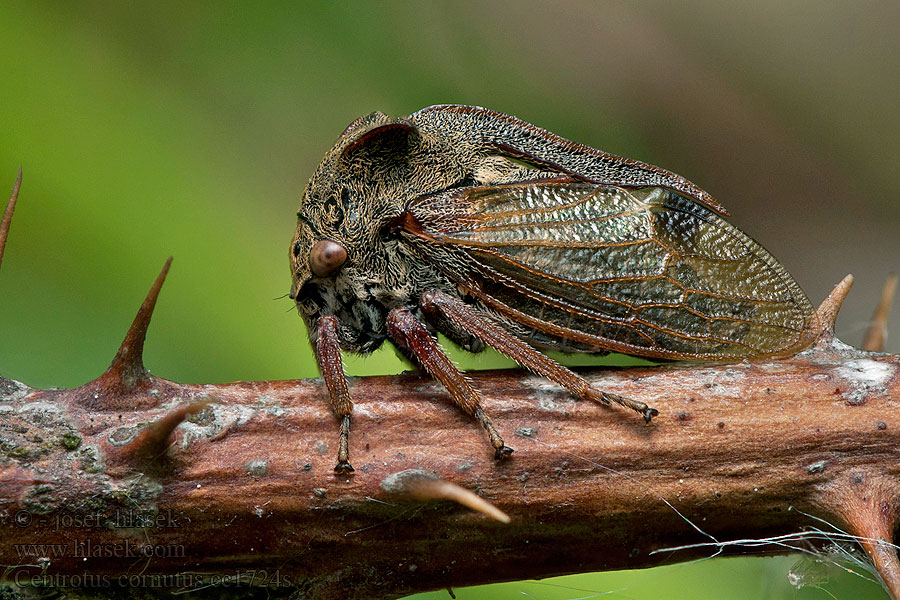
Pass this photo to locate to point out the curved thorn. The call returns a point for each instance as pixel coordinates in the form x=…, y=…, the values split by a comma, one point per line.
x=867, y=504
x=877, y=332
x=8, y=213
x=441, y=489
x=153, y=440
x=128, y=365
x=827, y=312
x=421, y=485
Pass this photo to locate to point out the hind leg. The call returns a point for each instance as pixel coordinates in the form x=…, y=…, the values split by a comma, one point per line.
x=444, y=306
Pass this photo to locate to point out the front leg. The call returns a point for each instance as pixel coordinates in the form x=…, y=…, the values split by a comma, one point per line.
x=328, y=354
x=409, y=334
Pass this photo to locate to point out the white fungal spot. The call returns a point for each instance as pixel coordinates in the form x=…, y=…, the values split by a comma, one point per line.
x=547, y=404
x=773, y=367
x=724, y=383
x=552, y=402
x=41, y=408
x=540, y=384
x=863, y=377
x=258, y=467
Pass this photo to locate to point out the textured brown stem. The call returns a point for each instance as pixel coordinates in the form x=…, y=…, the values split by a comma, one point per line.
x=248, y=482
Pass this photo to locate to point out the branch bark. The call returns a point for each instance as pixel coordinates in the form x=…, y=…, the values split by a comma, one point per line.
x=133, y=481
x=737, y=450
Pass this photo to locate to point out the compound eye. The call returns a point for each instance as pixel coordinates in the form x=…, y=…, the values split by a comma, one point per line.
x=326, y=257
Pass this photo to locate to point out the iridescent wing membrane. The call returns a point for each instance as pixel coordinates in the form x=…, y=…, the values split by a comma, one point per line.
x=586, y=267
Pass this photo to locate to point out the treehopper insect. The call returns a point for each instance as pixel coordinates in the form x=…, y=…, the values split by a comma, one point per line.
x=495, y=232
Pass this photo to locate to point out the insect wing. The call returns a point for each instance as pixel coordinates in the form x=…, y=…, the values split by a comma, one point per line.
x=585, y=267
x=512, y=137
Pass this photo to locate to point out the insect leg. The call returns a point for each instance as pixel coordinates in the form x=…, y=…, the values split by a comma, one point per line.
x=438, y=303
x=408, y=333
x=331, y=366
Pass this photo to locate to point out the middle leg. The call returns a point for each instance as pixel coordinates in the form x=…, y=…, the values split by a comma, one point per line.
x=407, y=332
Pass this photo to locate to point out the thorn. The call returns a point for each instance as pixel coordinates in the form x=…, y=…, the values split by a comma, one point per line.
x=877, y=332
x=127, y=368
x=866, y=503
x=153, y=440
x=827, y=312
x=421, y=485
x=8, y=213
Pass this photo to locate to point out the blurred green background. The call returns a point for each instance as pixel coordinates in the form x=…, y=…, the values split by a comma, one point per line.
x=190, y=129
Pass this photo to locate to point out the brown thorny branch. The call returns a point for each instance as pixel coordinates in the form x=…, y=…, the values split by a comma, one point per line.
x=145, y=485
